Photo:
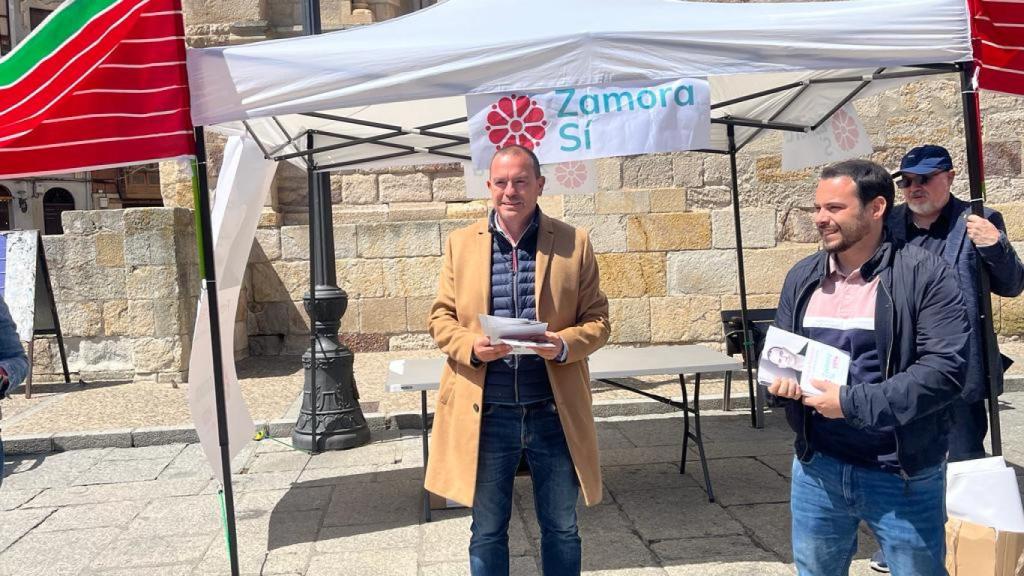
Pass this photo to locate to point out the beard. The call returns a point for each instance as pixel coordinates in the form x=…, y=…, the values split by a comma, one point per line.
x=847, y=236
x=923, y=207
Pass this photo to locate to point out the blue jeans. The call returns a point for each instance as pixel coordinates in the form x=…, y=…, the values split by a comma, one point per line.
x=829, y=498
x=507, y=433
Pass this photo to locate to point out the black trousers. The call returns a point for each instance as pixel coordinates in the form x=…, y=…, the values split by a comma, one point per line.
x=967, y=435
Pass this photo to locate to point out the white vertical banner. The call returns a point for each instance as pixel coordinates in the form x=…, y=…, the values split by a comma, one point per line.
x=841, y=137
x=242, y=187
x=589, y=122
x=576, y=177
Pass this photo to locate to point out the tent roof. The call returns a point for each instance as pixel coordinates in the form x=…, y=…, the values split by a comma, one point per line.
x=429, y=60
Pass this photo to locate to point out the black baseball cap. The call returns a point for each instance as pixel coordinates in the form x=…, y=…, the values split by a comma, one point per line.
x=925, y=160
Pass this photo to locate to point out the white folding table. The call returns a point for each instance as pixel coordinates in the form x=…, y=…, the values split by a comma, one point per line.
x=608, y=363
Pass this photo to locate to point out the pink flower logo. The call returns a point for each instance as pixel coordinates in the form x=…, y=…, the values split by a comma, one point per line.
x=844, y=129
x=516, y=120
x=571, y=174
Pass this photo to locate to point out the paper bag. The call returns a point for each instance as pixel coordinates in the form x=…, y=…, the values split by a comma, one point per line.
x=974, y=550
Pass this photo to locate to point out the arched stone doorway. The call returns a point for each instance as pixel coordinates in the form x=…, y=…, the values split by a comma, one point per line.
x=56, y=201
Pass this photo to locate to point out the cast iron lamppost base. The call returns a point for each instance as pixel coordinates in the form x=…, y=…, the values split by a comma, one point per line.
x=340, y=423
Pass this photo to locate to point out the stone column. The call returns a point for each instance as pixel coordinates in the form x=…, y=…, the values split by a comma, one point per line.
x=162, y=283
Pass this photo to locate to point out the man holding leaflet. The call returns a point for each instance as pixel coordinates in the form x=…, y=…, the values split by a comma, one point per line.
x=494, y=407
x=875, y=449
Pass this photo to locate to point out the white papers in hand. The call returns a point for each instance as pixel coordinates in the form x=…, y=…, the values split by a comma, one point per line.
x=788, y=355
x=519, y=333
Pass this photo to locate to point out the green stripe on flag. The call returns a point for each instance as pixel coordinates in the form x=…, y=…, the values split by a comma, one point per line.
x=61, y=26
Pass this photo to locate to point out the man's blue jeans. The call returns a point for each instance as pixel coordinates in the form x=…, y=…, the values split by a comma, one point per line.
x=829, y=498
x=508, y=432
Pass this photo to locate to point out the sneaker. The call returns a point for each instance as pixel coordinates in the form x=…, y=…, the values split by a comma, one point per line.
x=878, y=563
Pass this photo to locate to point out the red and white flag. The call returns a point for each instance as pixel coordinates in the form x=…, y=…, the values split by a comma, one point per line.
x=997, y=36
x=100, y=83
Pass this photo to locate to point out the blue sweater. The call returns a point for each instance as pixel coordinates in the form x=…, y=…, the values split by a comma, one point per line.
x=515, y=379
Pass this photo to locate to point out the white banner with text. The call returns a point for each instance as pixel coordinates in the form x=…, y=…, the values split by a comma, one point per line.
x=568, y=124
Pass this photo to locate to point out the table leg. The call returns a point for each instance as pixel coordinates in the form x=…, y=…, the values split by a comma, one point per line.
x=686, y=424
x=727, y=393
x=759, y=401
x=699, y=438
x=426, y=452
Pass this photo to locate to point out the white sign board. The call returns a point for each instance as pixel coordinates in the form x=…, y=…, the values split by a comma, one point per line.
x=20, y=270
x=577, y=177
x=590, y=122
x=841, y=137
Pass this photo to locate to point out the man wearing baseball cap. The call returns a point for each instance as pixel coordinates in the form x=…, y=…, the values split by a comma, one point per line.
x=932, y=218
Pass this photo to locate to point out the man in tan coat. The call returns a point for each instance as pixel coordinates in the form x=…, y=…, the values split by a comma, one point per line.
x=494, y=407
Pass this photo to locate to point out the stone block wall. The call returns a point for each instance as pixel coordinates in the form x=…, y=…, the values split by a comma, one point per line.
x=125, y=283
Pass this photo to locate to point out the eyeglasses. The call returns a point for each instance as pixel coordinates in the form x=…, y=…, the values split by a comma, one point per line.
x=906, y=181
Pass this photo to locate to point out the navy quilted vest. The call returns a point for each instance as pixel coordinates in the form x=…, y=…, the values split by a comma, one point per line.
x=515, y=379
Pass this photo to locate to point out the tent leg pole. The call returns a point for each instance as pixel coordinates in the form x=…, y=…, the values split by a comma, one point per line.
x=756, y=410
x=208, y=269
x=976, y=172
x=311, y=196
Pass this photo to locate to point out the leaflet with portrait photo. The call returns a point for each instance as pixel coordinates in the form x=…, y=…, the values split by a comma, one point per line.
x=788, y=355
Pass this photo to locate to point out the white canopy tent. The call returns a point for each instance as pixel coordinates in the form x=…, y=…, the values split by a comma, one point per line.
x=394, y=93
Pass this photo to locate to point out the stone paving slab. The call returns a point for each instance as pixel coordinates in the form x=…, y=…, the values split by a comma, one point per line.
x=198, y=514
x=304, y=515
x=17, y=523
x=52, y=471
x=109, y=514
x=665, y=513
x=131, y=551
x=65, y=553
x=741, y=481
x=401, y=562
x=115, y=472
x=14, y=498
x=75, y=495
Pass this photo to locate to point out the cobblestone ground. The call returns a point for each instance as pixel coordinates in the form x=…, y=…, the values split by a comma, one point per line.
x=155, y=512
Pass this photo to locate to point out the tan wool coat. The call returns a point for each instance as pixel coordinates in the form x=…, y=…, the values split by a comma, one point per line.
x=569, y=299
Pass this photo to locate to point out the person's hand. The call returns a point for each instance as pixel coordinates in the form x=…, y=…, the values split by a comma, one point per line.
x=550, y=353
x=982, y=232
x=827, y=403
x=484, y=352
x=785, y=388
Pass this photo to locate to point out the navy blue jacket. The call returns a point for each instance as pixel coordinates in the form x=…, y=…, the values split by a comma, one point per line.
x=515, y=378
x=921, y=331
x=1006, y=275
